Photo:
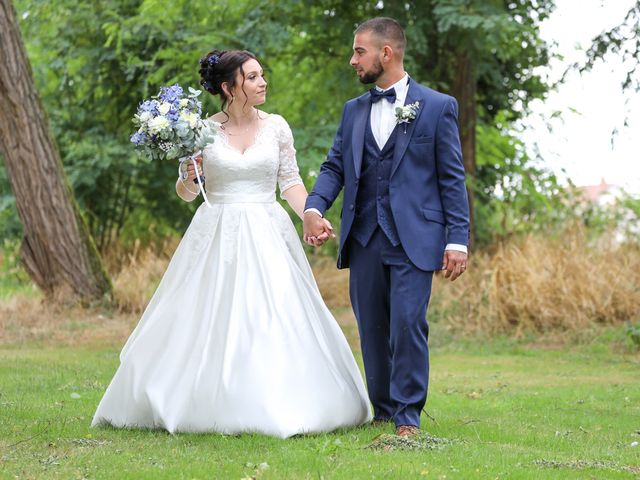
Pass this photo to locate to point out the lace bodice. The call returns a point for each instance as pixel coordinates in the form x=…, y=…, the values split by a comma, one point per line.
x=252, y=175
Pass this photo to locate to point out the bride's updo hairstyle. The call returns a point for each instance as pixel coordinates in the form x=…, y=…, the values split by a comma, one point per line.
x=220, y=66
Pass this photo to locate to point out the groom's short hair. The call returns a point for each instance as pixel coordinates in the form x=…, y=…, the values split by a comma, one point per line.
x=387, y=30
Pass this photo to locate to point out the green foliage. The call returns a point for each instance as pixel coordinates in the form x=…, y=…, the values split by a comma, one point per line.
x=10, y=226
x=515, y=194
x=621, y=40
x=633, y=332
x=619, y=213
x=93, y=62
x=13, y=279
x=501, y=37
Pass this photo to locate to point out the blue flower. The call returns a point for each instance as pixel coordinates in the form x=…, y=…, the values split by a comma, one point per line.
x=213, y=60
x=173, y=115
x=139, y=138
x=149, y=106
x=171, y=94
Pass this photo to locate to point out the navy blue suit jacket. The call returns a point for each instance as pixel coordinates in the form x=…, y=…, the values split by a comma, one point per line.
x=427, y=189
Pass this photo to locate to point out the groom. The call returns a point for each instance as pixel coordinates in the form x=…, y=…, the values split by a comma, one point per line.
x=405, y=214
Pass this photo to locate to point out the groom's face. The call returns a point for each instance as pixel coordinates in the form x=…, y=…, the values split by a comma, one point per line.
x=366, y=57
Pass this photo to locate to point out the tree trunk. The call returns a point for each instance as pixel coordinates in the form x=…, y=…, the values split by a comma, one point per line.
x=464, y=90
x=57, y=249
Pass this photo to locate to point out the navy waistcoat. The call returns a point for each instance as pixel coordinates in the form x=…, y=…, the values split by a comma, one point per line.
x=372, y=201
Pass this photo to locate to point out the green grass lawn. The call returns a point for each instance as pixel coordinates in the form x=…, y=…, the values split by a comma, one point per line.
x=501, y=411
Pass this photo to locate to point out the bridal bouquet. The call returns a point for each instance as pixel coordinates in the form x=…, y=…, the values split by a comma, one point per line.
x=170, y=126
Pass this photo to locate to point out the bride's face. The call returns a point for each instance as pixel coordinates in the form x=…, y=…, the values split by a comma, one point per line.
x=251, y=87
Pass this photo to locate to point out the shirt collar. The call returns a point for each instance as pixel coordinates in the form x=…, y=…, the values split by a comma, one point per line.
x=401, y=87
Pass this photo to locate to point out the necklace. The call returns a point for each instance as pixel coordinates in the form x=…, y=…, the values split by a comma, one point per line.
x=241, y=131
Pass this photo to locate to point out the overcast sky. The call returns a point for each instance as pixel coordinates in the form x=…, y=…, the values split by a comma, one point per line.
x=581, y=142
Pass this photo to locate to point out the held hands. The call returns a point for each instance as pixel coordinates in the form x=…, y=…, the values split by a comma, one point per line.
x=316, y=229
x=454, y=264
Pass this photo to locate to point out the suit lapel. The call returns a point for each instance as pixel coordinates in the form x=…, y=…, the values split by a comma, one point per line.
x=404, y=136
x=363, y=107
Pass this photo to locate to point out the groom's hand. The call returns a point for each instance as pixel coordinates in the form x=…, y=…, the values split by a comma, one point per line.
x=316, y=229
x=454, y=264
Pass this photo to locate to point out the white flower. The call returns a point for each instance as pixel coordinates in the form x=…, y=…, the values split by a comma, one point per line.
x=158, y=124
x=407, y=113
x=144, y=117
x=164, y=108
x=184, y=102
x=190, y=118
x=165, y=146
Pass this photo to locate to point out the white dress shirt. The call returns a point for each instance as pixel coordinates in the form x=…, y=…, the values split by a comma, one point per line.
x=383, y=121
x=383, y=112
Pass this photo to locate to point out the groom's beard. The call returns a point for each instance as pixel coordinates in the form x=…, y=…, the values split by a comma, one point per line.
x=374, y=74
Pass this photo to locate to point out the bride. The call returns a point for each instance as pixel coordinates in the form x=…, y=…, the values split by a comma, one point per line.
x=237, y=337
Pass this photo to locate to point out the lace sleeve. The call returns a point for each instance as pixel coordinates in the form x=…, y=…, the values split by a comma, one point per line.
x=288, y=173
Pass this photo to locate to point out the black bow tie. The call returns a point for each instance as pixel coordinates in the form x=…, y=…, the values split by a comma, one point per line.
x=377, y=95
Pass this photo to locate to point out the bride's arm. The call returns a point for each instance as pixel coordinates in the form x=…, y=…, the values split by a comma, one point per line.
x=291, y=187
x=295, y=197
x=183, y=193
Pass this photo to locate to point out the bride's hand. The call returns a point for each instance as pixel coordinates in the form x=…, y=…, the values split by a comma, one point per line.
x=324, y=231
x=191, y=171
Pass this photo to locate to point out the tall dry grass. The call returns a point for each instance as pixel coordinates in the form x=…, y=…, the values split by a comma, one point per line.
x=61, y=319
x=543, y=284
x=136, y=273
x=535, y=284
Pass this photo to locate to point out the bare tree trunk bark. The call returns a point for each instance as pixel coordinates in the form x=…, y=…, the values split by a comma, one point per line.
x=57, y=249
x=464, y=89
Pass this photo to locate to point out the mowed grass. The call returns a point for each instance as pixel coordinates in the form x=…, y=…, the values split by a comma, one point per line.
x=502, y=409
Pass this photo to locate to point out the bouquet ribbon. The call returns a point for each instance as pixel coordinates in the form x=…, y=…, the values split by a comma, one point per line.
x=198, y=178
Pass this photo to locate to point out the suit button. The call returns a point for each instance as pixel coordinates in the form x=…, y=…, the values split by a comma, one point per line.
x=379, y=178
x=351, y=207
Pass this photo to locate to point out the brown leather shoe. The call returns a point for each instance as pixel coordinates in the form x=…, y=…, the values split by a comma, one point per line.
x=407, y=431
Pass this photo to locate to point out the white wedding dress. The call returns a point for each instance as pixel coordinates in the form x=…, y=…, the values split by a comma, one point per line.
x=237, y=337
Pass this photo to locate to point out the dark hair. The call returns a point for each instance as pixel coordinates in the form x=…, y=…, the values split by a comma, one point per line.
x=386, y=29
x=220, y=66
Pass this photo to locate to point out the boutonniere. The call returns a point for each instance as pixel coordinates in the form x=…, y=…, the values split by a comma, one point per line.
x=407, y=113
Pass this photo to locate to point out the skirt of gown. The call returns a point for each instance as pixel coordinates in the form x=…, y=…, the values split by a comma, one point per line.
x=237, y=338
